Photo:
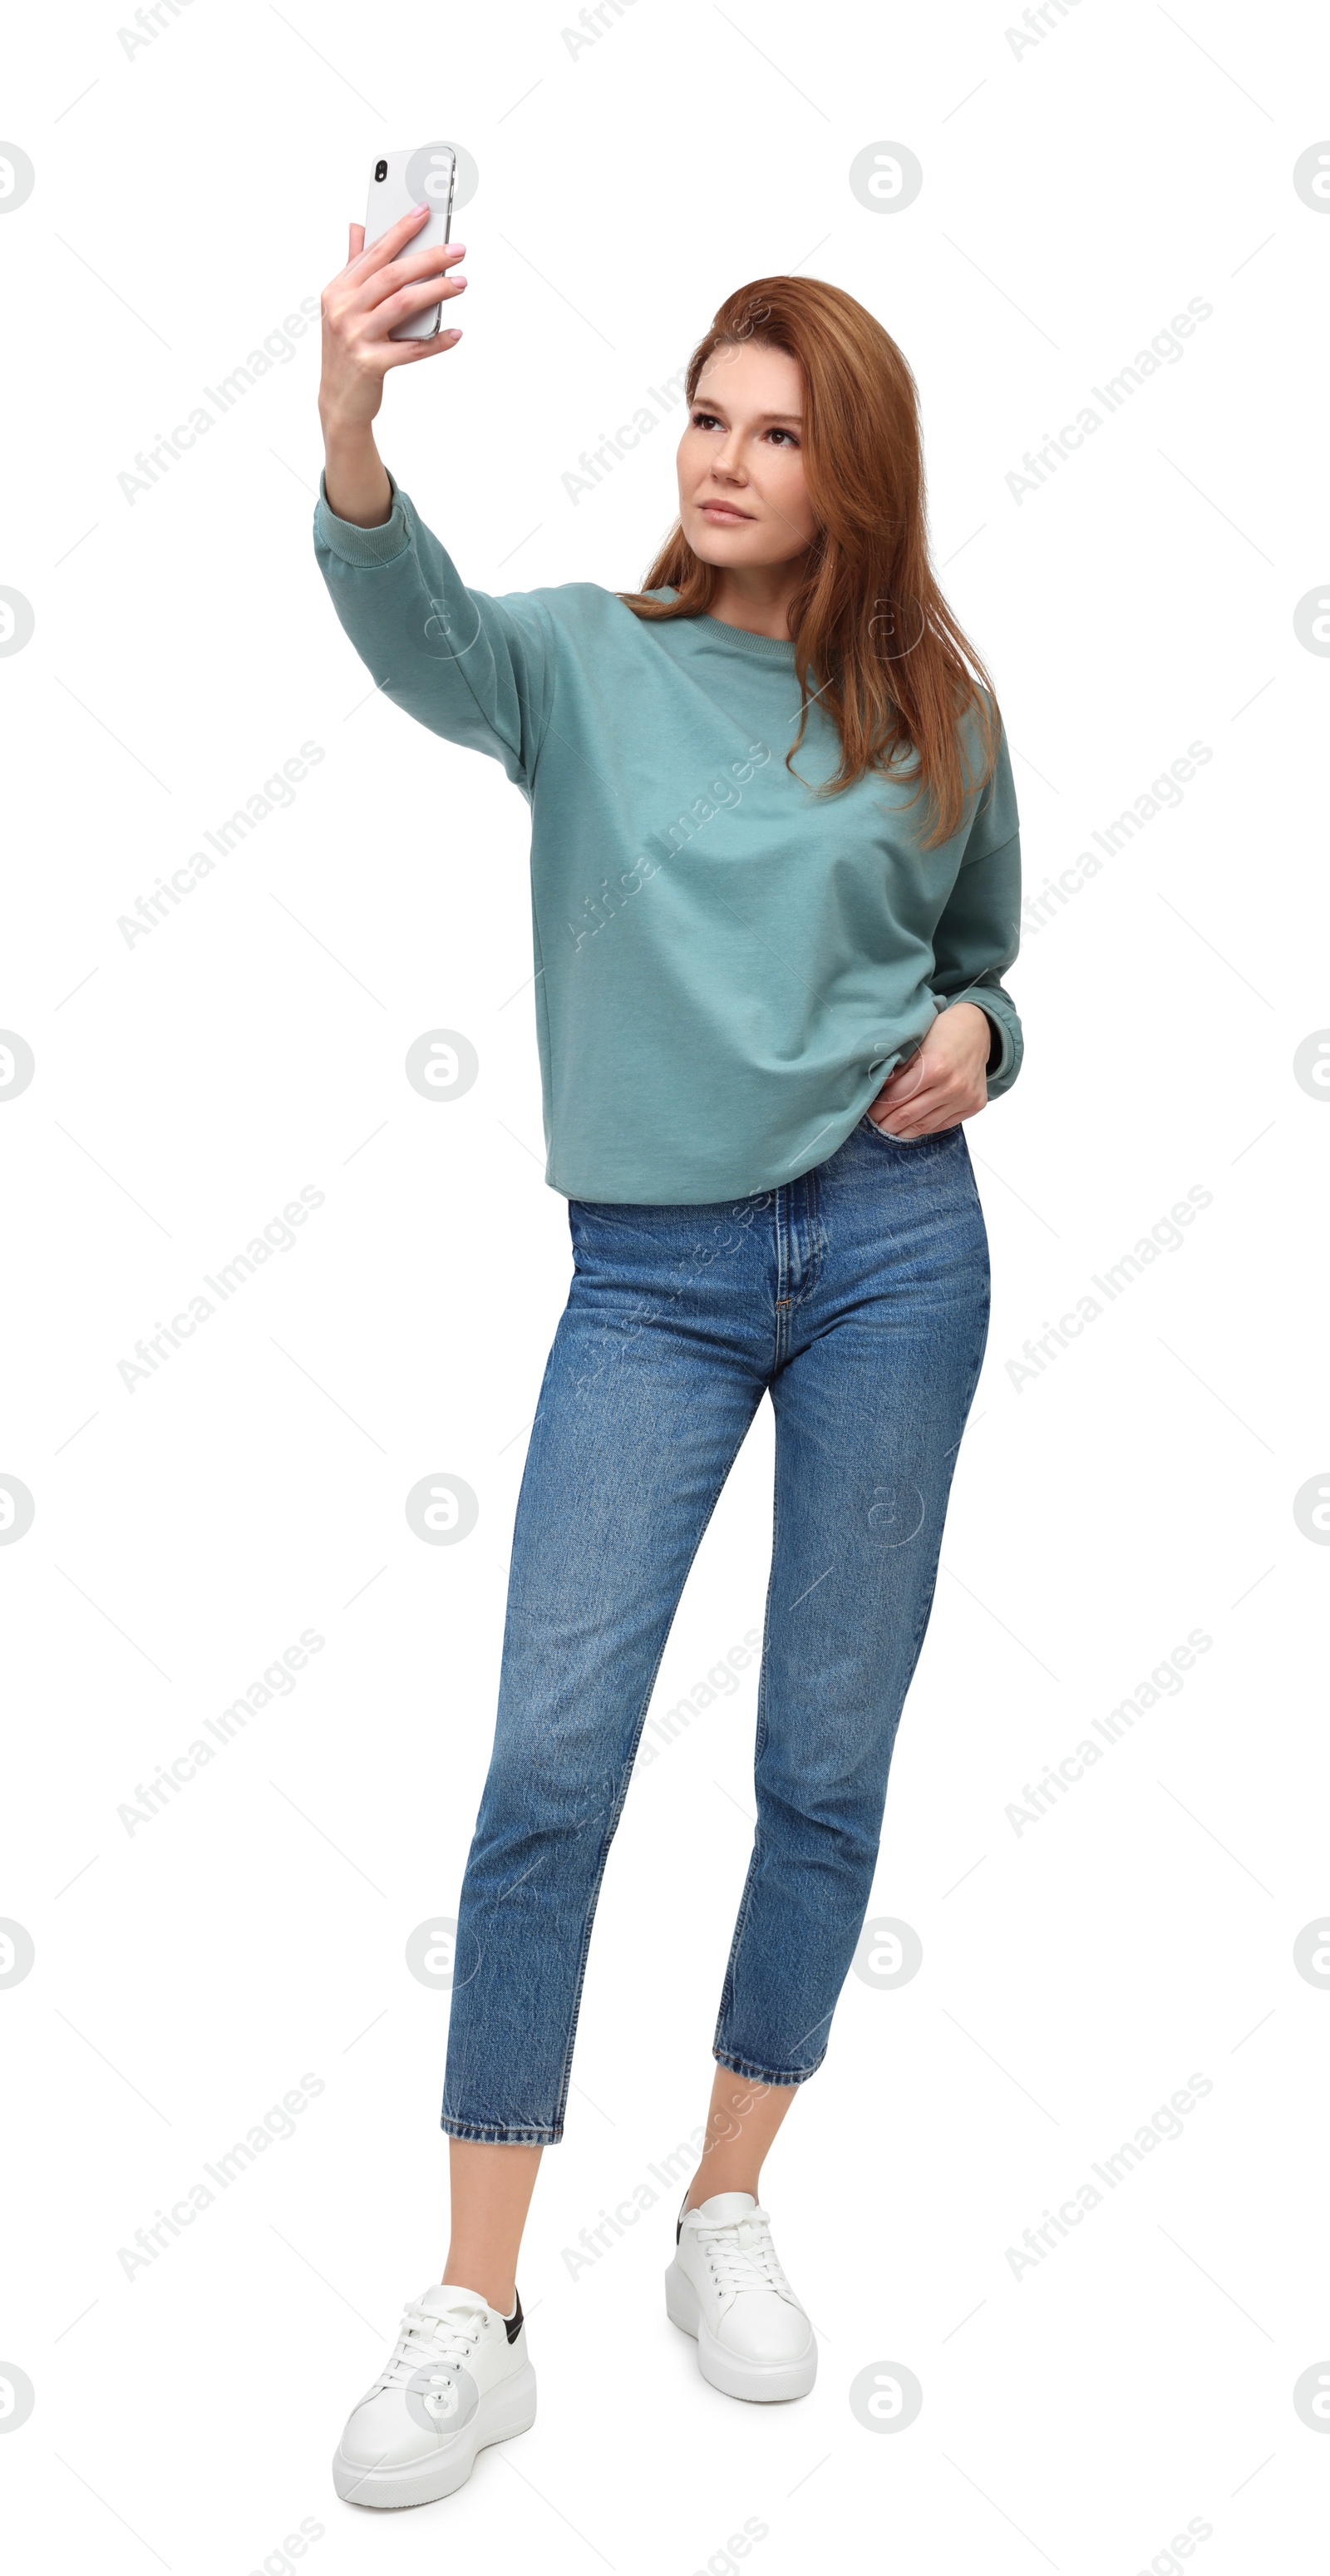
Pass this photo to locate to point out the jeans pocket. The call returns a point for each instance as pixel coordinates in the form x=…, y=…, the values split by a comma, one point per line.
x=915, y=1145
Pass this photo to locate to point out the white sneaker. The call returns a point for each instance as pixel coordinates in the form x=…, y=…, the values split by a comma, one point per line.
x=726, y=2286
x=458, y=2379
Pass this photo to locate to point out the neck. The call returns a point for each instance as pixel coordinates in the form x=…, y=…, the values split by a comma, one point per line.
x=759, y=598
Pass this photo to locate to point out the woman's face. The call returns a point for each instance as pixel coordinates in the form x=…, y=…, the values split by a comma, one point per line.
x=743, y=502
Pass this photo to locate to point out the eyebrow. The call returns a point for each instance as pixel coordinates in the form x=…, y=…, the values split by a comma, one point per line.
x=704, y=402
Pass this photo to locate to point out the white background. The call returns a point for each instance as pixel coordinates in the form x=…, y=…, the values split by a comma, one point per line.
x=1076, y=195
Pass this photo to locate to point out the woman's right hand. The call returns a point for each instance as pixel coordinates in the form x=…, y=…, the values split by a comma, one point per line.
x=374, y=294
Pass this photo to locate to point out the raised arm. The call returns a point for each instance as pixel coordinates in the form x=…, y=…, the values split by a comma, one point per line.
x=373, y=295
x=475, y=669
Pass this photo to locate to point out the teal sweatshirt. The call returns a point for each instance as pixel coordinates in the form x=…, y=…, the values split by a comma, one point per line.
x=728, y=966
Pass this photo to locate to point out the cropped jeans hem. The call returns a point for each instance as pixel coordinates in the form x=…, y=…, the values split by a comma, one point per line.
x=492, y=2133
x=755, y=2074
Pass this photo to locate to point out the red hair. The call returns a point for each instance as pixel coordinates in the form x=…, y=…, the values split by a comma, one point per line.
x=874, y=639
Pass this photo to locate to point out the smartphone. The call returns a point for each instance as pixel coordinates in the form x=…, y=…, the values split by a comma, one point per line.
x=399, y=181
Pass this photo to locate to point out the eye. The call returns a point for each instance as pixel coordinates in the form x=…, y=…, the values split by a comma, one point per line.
x=783, y=433
x=705, y=420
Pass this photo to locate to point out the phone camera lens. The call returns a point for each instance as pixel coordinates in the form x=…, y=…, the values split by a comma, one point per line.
x=380, y=169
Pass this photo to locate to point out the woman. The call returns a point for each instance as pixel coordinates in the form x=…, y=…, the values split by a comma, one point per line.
x=775, y=880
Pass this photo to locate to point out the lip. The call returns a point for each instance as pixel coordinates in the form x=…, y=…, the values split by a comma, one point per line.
x=724, y=510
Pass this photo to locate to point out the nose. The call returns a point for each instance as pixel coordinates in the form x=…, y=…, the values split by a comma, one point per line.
x=727, y=461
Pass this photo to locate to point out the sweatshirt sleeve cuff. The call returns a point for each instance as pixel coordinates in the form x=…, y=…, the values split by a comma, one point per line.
x=365, y=546
x=1001, y=1053
x=1004, y=1059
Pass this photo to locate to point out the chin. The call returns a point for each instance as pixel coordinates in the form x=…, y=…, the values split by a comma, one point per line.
x=715, y=545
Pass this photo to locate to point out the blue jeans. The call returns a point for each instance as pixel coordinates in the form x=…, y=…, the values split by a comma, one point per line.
x=857, y=1297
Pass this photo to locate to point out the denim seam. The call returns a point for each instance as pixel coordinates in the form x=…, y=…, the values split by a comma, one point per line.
x=815, y=1247
x=754, y=2074
x=780, y=1221
x=588, y=1926
x=759, y=1741
x=612, y=1826
x=745, y=1901
x=926, y=1605
x=495, y=2134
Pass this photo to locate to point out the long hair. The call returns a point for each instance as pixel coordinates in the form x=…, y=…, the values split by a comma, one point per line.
x=874, y=640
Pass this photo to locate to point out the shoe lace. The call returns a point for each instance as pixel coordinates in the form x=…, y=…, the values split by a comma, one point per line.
x=429, y=2339
x=742, y=2256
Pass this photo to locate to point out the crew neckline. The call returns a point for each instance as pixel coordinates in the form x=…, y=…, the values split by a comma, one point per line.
x=764, y=648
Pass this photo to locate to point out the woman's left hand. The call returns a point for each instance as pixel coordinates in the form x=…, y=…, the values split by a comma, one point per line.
x=944, y=1081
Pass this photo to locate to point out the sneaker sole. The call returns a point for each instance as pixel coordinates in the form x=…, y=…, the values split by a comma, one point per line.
x=762, y=2381
x=503, y=2411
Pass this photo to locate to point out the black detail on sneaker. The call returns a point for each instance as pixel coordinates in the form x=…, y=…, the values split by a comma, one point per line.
x=678, y=2224
x=512, y=2326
